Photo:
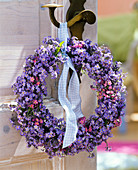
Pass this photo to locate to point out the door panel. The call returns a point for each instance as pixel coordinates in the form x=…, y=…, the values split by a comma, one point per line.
x=22, y=27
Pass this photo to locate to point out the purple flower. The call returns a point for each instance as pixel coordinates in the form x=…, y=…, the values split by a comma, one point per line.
x=34, y=120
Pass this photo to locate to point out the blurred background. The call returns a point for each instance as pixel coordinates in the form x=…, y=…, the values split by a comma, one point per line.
x=118, y=29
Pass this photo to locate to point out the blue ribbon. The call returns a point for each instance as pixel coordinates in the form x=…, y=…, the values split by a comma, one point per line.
x=72, y=104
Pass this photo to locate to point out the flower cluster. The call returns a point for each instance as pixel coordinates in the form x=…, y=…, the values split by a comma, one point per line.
x=39, y=126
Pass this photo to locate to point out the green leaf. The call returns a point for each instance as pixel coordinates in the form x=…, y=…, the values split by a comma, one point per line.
x=58, y=48
x=30, y=112
x=83, y=72
x=61, y=43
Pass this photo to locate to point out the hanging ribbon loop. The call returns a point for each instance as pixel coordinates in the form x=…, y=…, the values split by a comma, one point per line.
x=72, y=105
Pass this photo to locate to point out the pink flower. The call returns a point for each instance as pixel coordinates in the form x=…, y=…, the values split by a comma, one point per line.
x=37, y=119
x=108, y=92
x=117, y=122
x=90, y=128
x=36, y=123
x=32, y=106
x=36, y=78
x=93, y=88
x=110, y=87
x=41, y=121
x=86, y=129
x=100, y=97
x=34, y=61
x=82, y=120
x=76, y=45
x=32, y=79
x=111, y=92
x=116, y=98
x=112, y=95
x=38, y=83
x=120, y=120
x=70, y=145
x=35, y=102
x=109, y=82
x=105, y=84
x=80, y=45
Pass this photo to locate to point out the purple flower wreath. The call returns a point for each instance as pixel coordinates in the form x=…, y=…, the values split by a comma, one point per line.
x=39, y=126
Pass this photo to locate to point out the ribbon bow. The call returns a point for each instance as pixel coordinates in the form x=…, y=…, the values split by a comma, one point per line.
x=72, y=104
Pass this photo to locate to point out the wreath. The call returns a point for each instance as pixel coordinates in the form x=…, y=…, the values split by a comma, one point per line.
x=40, y=127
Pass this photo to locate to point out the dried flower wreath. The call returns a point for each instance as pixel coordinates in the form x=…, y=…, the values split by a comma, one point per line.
x=40, y=127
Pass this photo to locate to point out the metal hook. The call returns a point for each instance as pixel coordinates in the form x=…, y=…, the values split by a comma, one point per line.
x=76, y=18
x=52, y=8
x=82, y=17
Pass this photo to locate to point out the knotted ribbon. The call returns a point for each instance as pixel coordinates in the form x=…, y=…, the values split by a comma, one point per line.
x=72, y=104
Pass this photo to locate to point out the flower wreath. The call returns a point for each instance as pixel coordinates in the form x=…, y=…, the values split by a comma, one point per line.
x=40, y=127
